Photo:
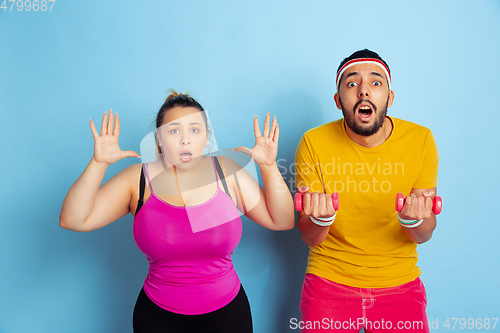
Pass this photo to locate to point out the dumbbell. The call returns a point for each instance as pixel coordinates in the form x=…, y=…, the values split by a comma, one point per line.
x=437, y=203
x=298, y=201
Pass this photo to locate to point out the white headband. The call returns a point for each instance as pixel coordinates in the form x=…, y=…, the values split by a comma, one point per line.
x=363, y=61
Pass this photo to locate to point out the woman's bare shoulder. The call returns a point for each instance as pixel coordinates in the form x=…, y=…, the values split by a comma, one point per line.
x=130, y=174
x=134, y=168
x=230, y=164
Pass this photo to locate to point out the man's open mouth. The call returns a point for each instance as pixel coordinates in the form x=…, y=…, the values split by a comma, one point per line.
x=365, y=111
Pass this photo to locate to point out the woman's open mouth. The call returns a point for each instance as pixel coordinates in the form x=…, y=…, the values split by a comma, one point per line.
x=186, y=156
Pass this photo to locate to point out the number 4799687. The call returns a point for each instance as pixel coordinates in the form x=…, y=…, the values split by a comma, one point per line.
x=471, y=323
x=27, y=5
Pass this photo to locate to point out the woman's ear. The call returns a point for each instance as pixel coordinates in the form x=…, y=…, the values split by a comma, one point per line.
x=157, y=142
x=209, y=134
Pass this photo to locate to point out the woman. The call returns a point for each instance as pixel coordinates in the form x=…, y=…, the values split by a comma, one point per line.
x=186, y=218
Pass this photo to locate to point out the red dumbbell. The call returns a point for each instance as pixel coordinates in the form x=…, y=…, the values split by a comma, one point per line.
x=437, y=203
x=298, y=201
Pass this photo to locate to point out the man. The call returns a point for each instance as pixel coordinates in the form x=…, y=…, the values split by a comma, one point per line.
x=362, y=270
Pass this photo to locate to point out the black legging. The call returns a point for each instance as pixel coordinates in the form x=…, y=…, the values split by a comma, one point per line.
x=234, y=317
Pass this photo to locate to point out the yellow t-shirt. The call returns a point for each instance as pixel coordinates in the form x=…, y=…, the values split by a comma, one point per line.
x=366, y=246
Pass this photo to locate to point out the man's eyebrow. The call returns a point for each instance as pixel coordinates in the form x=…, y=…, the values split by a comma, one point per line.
x=351, y=74
x=356, y=73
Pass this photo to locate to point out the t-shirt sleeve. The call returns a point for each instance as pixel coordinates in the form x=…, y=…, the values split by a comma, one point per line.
x=306, y=167
x=428, y=176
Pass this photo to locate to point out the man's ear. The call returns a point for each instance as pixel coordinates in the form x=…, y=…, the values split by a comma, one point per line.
x=336, y=97
x=391, y=98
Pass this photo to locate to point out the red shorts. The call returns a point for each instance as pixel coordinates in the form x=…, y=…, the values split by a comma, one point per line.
x=328, y=306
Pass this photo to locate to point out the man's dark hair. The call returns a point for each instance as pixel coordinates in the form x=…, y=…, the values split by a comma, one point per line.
x=361, y=55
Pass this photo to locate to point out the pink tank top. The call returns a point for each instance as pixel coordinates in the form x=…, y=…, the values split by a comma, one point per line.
x=189, y=252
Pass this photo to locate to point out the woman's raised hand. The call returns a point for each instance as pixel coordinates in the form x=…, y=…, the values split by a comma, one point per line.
x=106, y=149
x=266, y=144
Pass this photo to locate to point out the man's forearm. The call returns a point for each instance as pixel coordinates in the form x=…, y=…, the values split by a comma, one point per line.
x=312, y=234
x=423, y=232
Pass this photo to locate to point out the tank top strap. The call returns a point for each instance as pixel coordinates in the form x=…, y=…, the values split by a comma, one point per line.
x=220, y=174
x=216, y=173
x=147, y=176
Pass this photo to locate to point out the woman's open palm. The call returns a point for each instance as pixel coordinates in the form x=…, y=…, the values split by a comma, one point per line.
x=106, y=149
x=266, y=144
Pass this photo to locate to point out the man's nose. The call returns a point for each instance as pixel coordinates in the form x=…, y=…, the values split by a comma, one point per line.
x=364, y=90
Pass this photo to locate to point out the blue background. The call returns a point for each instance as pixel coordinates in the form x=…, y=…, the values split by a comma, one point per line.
x=241, y=58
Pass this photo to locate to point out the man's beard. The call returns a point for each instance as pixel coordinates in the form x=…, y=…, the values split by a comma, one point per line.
x=363, y=130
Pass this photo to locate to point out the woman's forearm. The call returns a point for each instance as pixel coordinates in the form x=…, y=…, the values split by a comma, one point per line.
x=80, y=199
x=278, y=198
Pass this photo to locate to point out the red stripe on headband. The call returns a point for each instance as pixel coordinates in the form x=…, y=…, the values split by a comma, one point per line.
x=363, y=60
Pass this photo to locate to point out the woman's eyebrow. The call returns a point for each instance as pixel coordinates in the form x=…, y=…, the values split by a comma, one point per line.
x=175, y=124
